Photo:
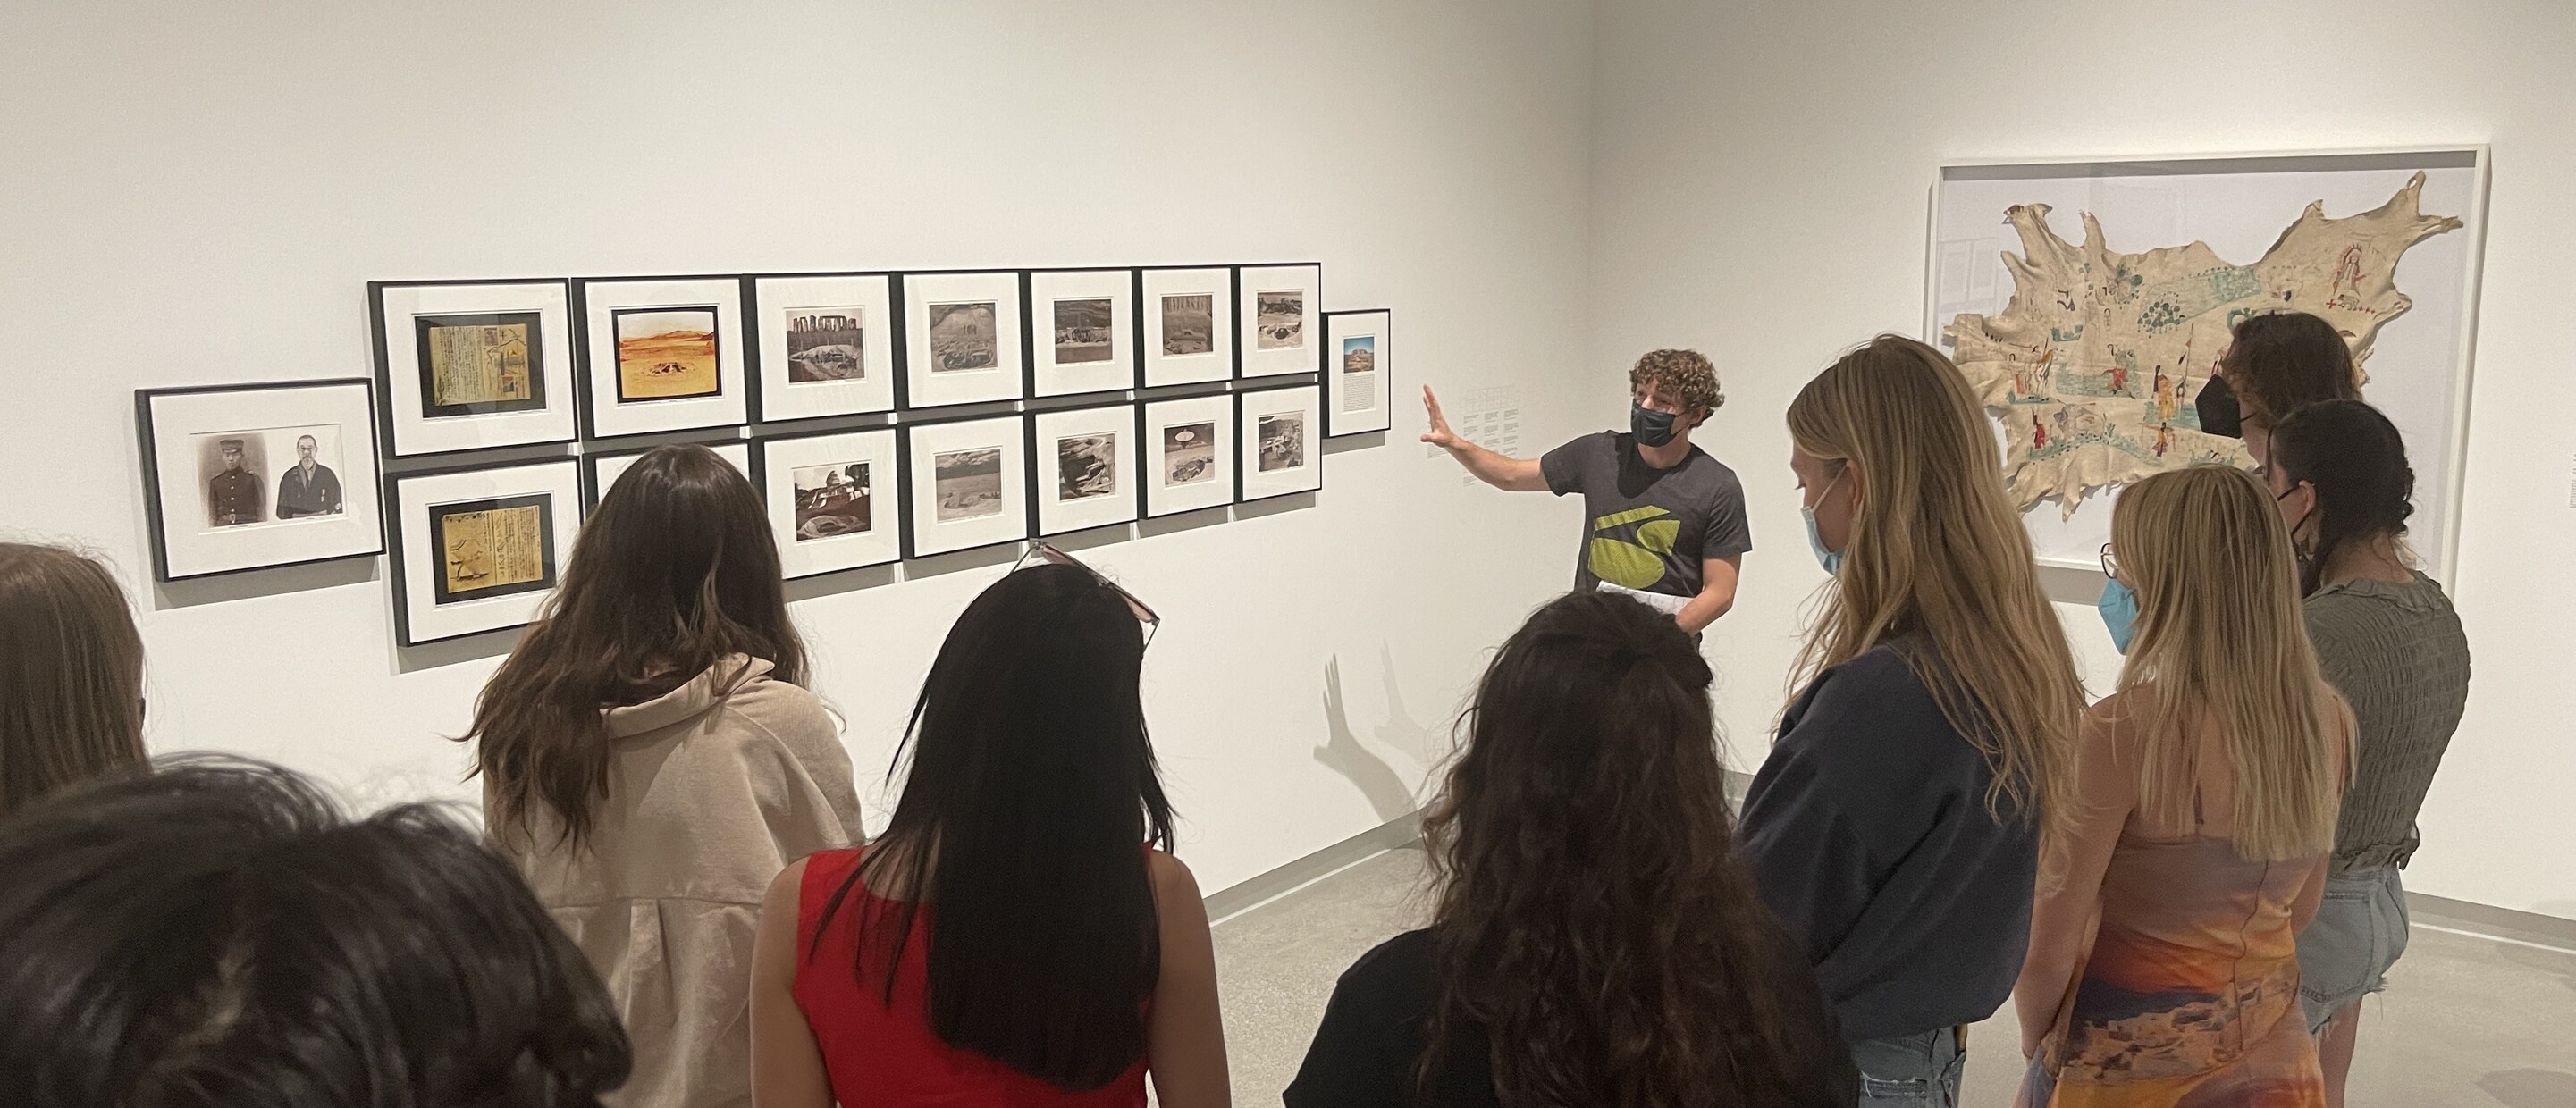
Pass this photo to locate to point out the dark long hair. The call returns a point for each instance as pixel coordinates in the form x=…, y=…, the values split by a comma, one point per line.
x=2357, y=461
x=218, y=933
x=1032, y=795
x=71, y=673
x=2281, y=361
x=1591, y=916
x=675, y=570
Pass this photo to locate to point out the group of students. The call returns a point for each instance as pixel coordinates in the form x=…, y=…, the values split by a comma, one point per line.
x=2185, y=888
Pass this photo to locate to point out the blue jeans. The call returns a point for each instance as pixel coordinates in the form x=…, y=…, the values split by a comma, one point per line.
x=2359, y=932
x=1912, y=1071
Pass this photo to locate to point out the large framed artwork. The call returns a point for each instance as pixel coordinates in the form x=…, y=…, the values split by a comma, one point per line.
x=479, y=549
x=2088, y=300
x=662, y=354
x=827, y=345
x=602, y=469
x=968, y=484
x=1084, y=467
x=468, y=365
x=1277, y=305
x=962, y=338
x=1189, y=461
x=240, y=477
x=1188, y=318
x=833, y=500
x=1357, y=364
x=1082, y=331
x=1279, y=436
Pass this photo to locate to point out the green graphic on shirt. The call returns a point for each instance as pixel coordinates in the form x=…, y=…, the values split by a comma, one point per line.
x=1634, y=560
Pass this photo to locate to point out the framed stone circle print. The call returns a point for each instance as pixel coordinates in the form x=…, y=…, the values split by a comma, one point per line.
x=1357, y=368
x=1188, y=317
x=662, y=354
x=479, y=549
x=1277, y=305
x=1084, y=467
x=1189, y=454
x=240, y=477
x=1279, y=438
x=473, y=364
x=833, y=500
x=1082, y=331
x=962, y=341
x=603, y=469
x=826, y=345
x=968, y=484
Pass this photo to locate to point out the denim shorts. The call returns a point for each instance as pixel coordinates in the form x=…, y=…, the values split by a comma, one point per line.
x=2359, y=932
x=1912, y=1071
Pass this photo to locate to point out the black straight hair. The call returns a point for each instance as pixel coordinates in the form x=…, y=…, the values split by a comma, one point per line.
x=2357, y=461
x=218, y=934
x=1032, y=797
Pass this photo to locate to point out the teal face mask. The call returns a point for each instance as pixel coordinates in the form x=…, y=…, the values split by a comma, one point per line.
x=1832, y=560
x=2119, y=608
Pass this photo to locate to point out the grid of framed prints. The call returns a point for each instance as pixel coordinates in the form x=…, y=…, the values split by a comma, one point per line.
x=1279, y=440
x=479, y=549
x=605, y=467
x=256, y=476
x=1355, y=370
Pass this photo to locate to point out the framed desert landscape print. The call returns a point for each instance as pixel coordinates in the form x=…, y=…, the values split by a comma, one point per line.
x=1188, y=319
x=662, y=354
x=1084, y=467
x=478, y=550
x=833, y=500
x=962, y=338
x=1280, y=441
x=1189, y=454
x=1357, y=392
x=472, y=365
x=1082, y=331
x=240, y=477
x=967, y=484
x=1277, y=305
x=826, y=345
x=601, y=470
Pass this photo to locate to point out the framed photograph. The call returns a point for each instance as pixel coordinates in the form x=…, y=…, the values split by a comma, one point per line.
x=1082, y=331
x=1278, y=305
x=962, y=338
x=1085, y=468
x=1280, y=441
x=479, y=550
x=1189, y=454
x=243, y=477
x=602, y=470
x=1188, y=323
x=833, y=500
x=662, y=354
x=827, y=345
x=472, y=365
x=968, y=484
x=1357, y=389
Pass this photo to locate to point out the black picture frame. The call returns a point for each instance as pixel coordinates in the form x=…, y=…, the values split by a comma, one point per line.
x=586, y=369
x=904, y=458
x=1036, y=467
x=430, y=408
x=1231, y=354
x=1326, y=368
x=754, y=311
x=388, y=437
x=398, y=565
x=900, y=484
x=903, y=288
x=146, y=439
x=1134, y=377
x=1236, y=300
x=1244, y=433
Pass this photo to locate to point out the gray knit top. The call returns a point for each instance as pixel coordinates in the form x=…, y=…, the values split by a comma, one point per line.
x=2397, y=653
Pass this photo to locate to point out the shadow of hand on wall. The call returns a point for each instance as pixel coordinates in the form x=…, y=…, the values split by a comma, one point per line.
x=2530, y=1088
x=1342, y=753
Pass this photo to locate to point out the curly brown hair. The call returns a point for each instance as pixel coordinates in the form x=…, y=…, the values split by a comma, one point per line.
x=1683, y=373
x=2280, y=362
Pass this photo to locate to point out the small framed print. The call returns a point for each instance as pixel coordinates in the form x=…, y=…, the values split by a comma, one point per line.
x=827, y=345
x=603, y=469
x=1082, y=331
x=1189, y=454
x=962, y=341
x=1356, y=367
x=968, y=484
x=1280, y=439
x=472, y=365
x=253, y=476
x=479, y=550
x=662, y=354
x=1084, y=471
x=1188, y=323
x=1278, y=305
x=833, y=500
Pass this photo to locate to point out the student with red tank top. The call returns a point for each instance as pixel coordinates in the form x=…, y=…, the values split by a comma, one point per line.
x=1019, y=936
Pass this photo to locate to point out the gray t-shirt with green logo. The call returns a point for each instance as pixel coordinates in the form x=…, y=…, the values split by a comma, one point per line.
x=1646, y=528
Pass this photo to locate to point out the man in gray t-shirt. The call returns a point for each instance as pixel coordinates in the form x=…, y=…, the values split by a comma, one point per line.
x=1661, y=517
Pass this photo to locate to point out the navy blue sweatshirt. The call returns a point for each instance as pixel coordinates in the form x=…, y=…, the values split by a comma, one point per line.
x=1868, y=835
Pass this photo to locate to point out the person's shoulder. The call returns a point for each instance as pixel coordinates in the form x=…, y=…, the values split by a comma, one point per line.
x=1407, y=964
x=783, y=708
x=1874, y=675
x=1172, y=880
x=1705, y=465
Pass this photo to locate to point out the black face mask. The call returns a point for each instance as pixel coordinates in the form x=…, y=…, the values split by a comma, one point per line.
x=2217, y=408
x=1652, y=428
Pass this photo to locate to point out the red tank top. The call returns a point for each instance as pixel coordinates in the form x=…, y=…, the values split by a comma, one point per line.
x=881, y=1054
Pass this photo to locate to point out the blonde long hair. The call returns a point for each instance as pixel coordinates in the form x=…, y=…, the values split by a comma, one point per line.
x=1938, y=563
x=2221, y=637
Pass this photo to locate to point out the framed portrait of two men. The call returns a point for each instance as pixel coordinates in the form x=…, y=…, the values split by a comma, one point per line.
x=241, y=477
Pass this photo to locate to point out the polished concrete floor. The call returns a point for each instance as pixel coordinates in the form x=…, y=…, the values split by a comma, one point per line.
x=2467, y=1020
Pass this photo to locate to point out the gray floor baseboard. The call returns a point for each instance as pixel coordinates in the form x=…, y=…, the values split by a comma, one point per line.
x=1394, y=834
x=2491, y=921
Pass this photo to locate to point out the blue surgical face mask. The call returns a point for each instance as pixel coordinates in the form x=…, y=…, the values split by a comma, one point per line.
x=1652, y=428
x=2119, y=607
x=1832, y=560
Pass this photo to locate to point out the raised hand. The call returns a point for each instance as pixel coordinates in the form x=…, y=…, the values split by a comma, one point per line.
x=1439, y=433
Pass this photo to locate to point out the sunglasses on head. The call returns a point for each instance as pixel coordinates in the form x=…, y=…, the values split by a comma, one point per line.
x=1047, y=552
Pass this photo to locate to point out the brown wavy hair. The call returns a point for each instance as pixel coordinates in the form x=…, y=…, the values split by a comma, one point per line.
x=675, y=570
x=1591, y=916
x=71, y=673
x=2279, y=362
x=1686, y=374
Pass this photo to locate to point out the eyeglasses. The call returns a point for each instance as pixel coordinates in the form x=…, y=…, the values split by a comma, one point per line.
x=1047, y=552
x=2110, y=565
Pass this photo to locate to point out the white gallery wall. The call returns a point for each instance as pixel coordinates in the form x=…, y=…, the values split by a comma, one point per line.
x=197, y=194
x=1760, y=183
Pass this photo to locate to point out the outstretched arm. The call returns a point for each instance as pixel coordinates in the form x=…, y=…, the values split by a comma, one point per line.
x=1499, y=470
